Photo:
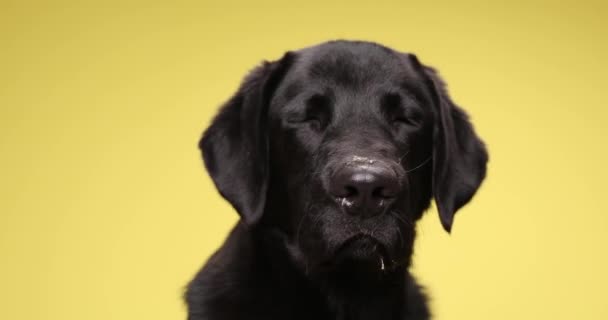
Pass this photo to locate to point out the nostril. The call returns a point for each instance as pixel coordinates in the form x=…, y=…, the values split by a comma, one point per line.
x=350, y=192
x=380, y=192
x=384, y=192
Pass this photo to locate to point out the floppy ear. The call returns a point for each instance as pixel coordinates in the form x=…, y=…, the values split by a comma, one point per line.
x=459, y=155
x=235, y=146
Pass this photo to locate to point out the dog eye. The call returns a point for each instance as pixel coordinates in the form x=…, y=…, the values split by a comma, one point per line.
x=314, y=123
x=397, y=113
x=315, y=114
x=317, y=111
x=408, y=117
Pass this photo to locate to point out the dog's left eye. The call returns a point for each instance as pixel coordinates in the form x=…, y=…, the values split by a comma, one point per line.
x=398, y=114
x=408, y=117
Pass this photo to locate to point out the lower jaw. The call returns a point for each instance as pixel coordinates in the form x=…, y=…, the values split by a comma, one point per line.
x=362, y=278
x=362, y=251
x=362, y=261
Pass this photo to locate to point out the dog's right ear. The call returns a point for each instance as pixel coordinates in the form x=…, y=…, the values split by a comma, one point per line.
x=235, y=146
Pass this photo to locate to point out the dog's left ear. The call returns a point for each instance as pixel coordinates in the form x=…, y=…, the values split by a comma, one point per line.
x=235, y=146
x=459, y=155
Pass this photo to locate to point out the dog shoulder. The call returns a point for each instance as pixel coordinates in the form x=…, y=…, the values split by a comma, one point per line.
x=220, y=287
x=416, y=301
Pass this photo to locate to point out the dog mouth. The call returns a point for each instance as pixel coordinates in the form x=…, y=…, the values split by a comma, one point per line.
x=364, y=251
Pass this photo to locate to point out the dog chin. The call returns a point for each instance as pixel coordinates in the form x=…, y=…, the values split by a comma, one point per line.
x=363, y=253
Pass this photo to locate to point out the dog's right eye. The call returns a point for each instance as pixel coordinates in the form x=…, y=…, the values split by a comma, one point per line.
x=314, y=123
x=316, y=113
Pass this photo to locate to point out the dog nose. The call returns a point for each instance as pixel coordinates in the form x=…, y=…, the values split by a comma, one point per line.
x=364, y=190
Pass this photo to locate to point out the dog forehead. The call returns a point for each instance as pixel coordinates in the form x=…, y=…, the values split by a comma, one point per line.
x=349, y=73
x=350, y=64
x=352, y=67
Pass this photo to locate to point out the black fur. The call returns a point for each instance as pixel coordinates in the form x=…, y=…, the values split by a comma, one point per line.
x=275, y=147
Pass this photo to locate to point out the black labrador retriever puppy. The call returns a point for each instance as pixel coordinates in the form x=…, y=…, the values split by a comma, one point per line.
x=330, y=155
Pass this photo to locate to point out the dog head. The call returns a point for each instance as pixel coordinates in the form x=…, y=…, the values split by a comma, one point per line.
x=341, y=148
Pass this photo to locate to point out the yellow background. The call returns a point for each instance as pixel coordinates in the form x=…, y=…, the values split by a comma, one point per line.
x=106, y=211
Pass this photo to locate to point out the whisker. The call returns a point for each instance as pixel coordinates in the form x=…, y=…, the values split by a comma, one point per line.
x=420, y=165
x=396, y=215
x=401, y=239
x=403, y=156
x=375, y=228
x=301, y=222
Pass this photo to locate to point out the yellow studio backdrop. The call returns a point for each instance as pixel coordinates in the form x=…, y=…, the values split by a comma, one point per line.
x=106, y=211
